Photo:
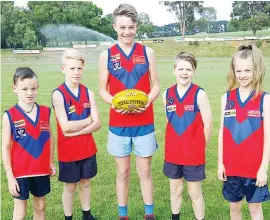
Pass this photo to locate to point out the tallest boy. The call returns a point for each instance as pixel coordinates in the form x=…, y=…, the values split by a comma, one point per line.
x=129, y=65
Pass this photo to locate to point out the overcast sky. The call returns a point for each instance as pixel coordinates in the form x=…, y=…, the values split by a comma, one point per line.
x=158, y=14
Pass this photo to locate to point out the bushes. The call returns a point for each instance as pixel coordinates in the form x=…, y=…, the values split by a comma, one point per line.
x=194, y=43
x=259, y=43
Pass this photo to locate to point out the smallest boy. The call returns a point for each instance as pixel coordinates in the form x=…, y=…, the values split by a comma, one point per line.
x=27, y=146
x=77, y=118
x=188, y=131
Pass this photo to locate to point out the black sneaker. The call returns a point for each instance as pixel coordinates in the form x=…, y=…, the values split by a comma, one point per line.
x=149, y=217
x=91, y=217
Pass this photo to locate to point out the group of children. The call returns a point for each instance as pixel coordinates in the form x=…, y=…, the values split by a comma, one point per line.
x=243, y=144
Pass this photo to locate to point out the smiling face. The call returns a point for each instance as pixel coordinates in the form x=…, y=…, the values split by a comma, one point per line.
x=125, y=28
x=26, y=90
x=183, y=72
x=243, y=70
x=73, y=70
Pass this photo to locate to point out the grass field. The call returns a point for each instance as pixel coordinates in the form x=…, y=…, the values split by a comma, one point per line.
x=211, y=75
x=265, y=32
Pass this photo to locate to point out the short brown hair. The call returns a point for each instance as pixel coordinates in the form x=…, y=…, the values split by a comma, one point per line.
x=22, y=73
x=187, y=57
x=125, y=10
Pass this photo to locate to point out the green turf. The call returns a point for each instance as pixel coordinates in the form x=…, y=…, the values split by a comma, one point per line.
x=211, y=75
x=265, y=32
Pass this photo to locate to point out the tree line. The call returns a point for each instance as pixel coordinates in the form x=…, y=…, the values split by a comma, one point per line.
x=21, y=27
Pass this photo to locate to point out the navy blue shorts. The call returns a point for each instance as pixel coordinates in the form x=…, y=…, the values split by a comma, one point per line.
x=236, y=188
x=72, y=172
x=190, y=173
x=38, y=186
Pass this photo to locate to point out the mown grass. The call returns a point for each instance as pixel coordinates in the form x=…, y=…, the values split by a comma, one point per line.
x=211, y=75
x=265, y=32
x=169, y=49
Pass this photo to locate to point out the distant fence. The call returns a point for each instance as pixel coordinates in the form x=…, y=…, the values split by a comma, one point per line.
x=221, y=39
x=84, y=46
x=54, y=48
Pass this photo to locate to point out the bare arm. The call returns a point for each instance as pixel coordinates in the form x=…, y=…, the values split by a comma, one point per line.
x=164, y=102
x=96, y=124
x=206, y=113
x=262, y=173
x=103, y=78
x=66, y=125
x=155, y=90
x=52, y=167
x=221, y=169
x=6, y=156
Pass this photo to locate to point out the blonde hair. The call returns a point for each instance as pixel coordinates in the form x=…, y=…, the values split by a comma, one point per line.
x=187, y=57
x=72, y=54
x=245, y=51
x=125, y=10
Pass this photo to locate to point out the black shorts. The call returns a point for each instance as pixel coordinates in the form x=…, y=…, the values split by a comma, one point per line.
x=72, y=172
x=236, y=188
x=38, y=186
x=190, y=173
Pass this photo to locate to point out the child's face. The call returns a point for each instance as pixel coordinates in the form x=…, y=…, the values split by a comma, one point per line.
x=183, y=72
x=125, y=28
x=243, y=70
x=26, y=89
x=73, y=70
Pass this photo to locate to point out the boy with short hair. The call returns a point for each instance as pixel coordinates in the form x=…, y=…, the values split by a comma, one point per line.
x=129, y=65
x=188, y=131
x=27, y=146
x=77, y=118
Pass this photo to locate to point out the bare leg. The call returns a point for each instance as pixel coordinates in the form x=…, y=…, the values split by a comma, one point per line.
x=84, y=194
x=19, y=211
x=176, y=189
x=255, y=210
x=39, y=208
x=67, y=197
x=122, y=179
x=143, y=165
x=195, y=193
x=235, y=210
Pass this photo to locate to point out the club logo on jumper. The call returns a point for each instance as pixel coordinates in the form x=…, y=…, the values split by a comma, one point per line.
x=171, y=108
x=87, y=105
x=230, y=104
x=189, y=107
x=44, y=126
x=116, y=65
x=19, y=123
x=71, y=109
x=20, y=132
x=230, y=113
x=170, y=100
x=138, y=59
x=115, y=57
x=254, y=113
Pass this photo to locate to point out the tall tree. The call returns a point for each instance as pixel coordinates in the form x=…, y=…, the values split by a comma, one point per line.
x=145, y=26
x=252, y=15
x=209, y=14
x=184, y=11
x=106, y=26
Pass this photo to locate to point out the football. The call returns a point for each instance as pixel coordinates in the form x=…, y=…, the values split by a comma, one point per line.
x=130, y=99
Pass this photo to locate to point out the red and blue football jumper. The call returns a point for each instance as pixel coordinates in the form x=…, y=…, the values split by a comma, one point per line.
x=77, y=108
x=30, y=148
x=243, y=137
x=129, y=72
x=185, y=140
